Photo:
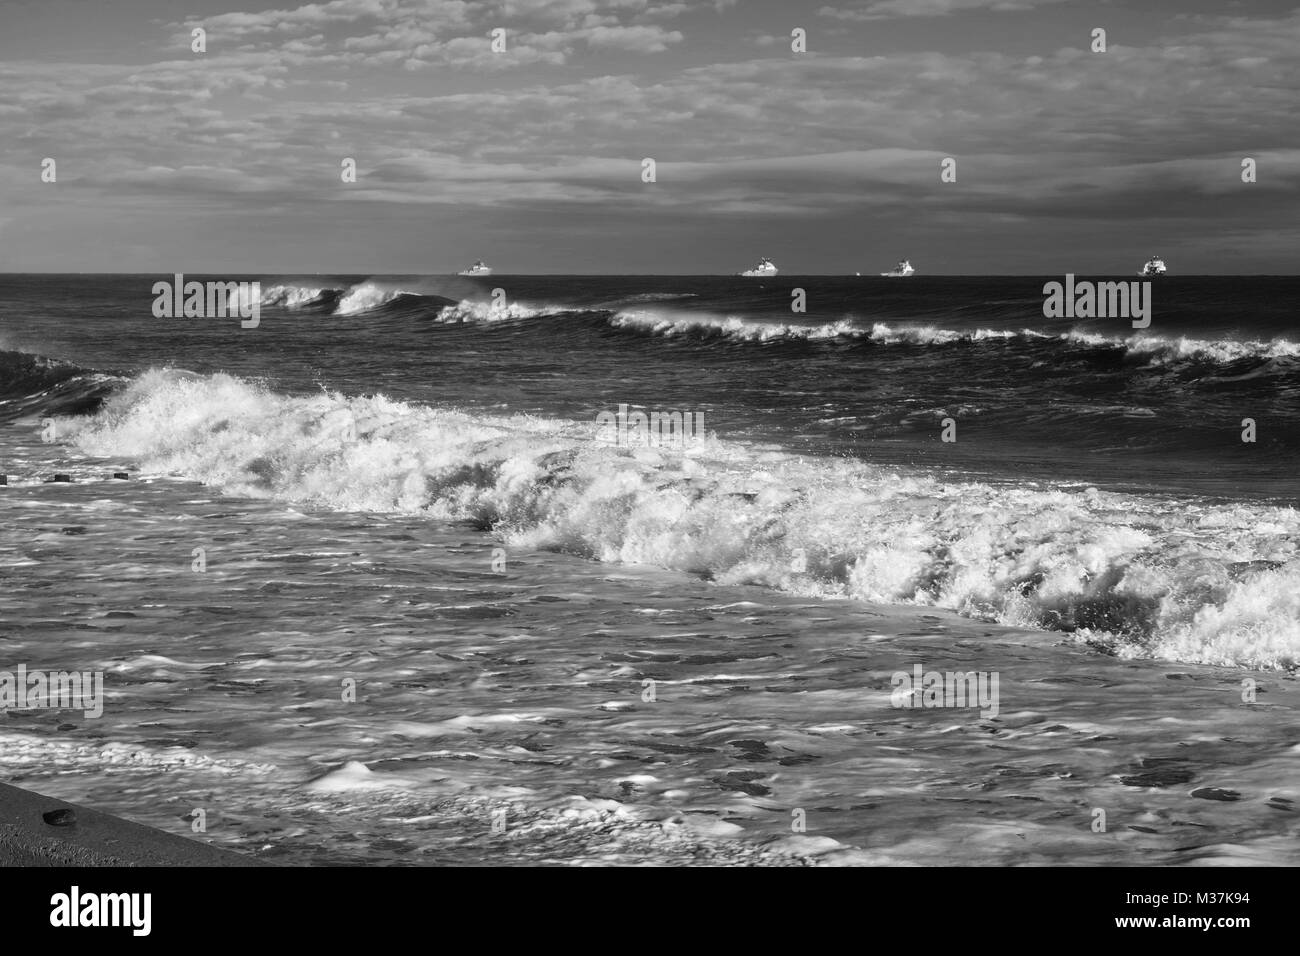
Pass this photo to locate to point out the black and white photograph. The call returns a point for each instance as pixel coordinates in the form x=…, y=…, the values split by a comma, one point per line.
x=637, y=433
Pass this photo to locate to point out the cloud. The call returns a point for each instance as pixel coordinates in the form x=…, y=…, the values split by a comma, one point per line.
x=637, y=39
x=890, y=9
x=311, y=18
x=1067, y=133
x=422, y=34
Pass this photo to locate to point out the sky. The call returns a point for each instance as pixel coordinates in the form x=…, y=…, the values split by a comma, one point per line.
x=827, y=160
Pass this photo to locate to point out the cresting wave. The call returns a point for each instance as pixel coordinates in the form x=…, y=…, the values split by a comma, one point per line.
x=1152, y=349
x=1178, y=579
x=735, y=328
x=22, y=373
x=295, y=297
x=1163, y=350
x=468, y=311
x=354, y=300
x=367, y=297
x=33, y=383
x=373, y=296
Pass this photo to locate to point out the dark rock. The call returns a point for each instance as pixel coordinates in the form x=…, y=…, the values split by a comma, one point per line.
x=63, y=817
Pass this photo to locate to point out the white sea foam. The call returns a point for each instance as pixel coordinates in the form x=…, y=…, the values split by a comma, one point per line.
x=1179, y=579
x=737, y=328
x=292, y=296
x=367, y=297
x=370, y=296
x=1159, y=349
x=731, y=327
x=1155, y=349
x=469, y=311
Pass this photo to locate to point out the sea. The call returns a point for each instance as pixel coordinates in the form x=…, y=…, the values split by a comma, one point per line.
x=422, y=570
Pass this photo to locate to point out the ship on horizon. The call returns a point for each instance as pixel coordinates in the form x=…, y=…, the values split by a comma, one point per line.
x=479, y=268
x=1155, y=266
x=765, y=267
x=902, y=270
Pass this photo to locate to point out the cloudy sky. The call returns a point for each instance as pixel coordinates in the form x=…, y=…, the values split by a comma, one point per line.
x=828, y=161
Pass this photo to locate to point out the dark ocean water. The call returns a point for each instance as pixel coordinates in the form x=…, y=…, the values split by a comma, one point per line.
x=402, y=480
x=1084, y=451
x=870, y=370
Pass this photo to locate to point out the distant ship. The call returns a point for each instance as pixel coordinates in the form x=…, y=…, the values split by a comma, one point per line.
x=765, y=267
x=904, y=268
x=1155, y=267
x=479, y=268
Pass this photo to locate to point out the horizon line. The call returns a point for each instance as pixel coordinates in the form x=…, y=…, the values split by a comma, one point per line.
x=683, y=275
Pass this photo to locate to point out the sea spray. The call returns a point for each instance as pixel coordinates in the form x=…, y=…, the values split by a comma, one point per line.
x=1147, y=576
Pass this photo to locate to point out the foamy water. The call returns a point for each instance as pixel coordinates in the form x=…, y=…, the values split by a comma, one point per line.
x=1196, y=582
x=515, y=695
x=379, y=589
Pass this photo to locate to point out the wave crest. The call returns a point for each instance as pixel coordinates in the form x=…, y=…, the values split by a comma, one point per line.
x=367, y=297
x=1152, y=350
x=470, y=311
x=296, y=297
x=735, y=328
x=1192, y=582
x=33, y=384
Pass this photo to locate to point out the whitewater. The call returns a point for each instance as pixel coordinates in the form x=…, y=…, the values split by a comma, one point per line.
x=1189, y=581
x=371, y=577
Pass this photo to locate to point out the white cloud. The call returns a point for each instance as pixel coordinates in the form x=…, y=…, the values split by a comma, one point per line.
x=1064, y=129
x=889, y=9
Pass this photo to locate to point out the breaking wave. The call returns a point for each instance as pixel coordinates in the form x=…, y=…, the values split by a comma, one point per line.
x=628, y=314
x=33, y=384
x=1144, y=349
x=1174, y=578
